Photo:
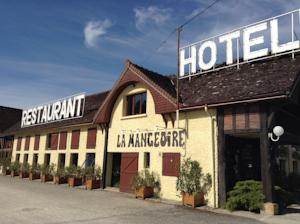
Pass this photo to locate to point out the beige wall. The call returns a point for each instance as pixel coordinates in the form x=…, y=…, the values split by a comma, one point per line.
x=200, y=142
x=199, y=139
x=98, y=150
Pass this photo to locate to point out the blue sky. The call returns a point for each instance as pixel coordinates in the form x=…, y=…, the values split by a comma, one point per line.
x=52, y=49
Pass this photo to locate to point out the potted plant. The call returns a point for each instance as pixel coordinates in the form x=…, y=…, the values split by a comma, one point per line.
x=15, y=168
x=192, y=183
x=144, y=183
x=24, y=170
x=93, y=177
x=34, y=172
x=5, y=165
x=74, y=176
x=60, y=176
x=46, y=172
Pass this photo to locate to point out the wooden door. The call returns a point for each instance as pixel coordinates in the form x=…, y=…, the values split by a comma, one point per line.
x=129, y=168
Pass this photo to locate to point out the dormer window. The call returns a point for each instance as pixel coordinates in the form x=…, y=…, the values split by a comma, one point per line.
x=136, y=104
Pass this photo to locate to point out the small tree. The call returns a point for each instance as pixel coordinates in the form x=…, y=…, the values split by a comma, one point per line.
x=25, y=168
x=145, y=179
x=92, y=172
x=191, y=180
x=15, y=167
x=47, y=169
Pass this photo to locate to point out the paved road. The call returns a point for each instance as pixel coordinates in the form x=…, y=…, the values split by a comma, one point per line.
x=30, y=202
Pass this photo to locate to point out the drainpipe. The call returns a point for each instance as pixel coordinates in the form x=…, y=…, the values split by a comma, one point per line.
x=213, y=151
x=105, y=158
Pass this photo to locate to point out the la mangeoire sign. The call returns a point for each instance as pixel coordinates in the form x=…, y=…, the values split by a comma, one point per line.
x=258, y=41
x=67, y=108
x=155, y=139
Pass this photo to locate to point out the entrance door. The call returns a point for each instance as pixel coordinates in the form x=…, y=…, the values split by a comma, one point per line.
x=129, y=168
x=116, y=167
x=242, y=160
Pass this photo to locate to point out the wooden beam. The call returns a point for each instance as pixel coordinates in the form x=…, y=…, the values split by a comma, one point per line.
x=265, y=157
x=221, y=159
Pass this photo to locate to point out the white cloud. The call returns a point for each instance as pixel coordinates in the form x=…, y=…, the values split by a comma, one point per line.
x=93, y=30
x=151, y=15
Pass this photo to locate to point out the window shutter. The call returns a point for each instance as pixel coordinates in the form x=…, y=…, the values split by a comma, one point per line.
x=171, y=164
x=91, y=138
x=54, y=140
x=36, y=142
x=19, y=143
x=27, y=142
x=63, y=140
x=75, y=139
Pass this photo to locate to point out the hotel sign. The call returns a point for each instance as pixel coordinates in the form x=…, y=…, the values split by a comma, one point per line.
x=268, y=38
x=66, y=108
x=155, y=139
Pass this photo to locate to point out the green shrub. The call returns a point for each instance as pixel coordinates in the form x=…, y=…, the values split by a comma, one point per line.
x=74, y=171
x=47, y=170
x=191, y=178
x=92, y=172
x=25, y=168
x=145, y=179
x=246, y=195
x=15, y=167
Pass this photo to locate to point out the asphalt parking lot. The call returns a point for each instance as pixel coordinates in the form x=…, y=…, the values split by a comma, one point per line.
x=30, y=202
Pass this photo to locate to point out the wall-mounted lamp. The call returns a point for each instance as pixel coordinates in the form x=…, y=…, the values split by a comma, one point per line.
x=278, y=131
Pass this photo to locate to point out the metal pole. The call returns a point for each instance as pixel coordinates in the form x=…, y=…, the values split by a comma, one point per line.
x=179, y=29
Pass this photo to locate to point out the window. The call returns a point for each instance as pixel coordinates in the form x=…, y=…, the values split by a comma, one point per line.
x=295, y=167
x=25, y=159
x=282, y=166
x=27, y=143
x=74, y=159
x=18, y=157
x=47, y=159
x=75, y=139
x=90, y=159
x=171, y=164
x=35, y=159
x=91, y=138
x=52, y=141
x=19, y=143
x=147, y=160
x=36, y=142
x=136, y=104
x=61, y=160
x=63, y=140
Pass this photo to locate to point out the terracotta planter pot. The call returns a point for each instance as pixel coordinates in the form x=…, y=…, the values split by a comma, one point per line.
x=144, y=192
x=34, y=176
x=74, y=181
x=60, y=180
x=23, y=175
x=91, y=184
x=14, y=174
x=46, y=178
x=193, y=200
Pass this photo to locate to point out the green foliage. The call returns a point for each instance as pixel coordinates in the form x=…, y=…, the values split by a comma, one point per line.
x=47, y=170
x=15, y=166
x=5, y=163
x=92, y=172
x=246, y=195
x=191, y=178
x=145, y=179
x=35, y=168
x=74, y=171
x=60, y=172
x=25, y=168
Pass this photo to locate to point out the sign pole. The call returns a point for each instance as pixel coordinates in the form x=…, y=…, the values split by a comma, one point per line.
x=179, y=29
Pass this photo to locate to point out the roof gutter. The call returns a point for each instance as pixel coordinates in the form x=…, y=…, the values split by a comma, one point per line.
x=234, y=102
